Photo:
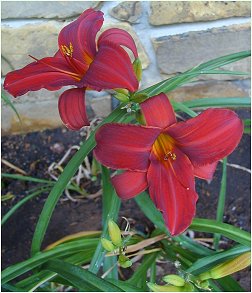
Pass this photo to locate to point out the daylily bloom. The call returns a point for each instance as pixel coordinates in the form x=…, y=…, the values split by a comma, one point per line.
x=83, y=62
x=166, y=155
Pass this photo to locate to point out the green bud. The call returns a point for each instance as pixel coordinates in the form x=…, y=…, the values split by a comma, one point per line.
x=204, y=284
x=115, y=233
x=107, y=244
x=137, y=66
x=166, y=288
x=122, y=97
x=124, y=261
x=174, y=280
x=139, y=97
x=122, y=91
x=188, y=287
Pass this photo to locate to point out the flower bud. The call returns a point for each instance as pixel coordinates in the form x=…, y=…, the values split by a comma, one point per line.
x=174, y=280
x=122, y=97
x=166, y=288
x=139, y=97
x=137, y=66
x=228, y=267
x=124, y=261
x=107, y=244
x=114, y=233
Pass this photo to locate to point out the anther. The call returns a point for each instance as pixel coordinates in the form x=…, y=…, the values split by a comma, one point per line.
x=171, y=155
x=68, y=51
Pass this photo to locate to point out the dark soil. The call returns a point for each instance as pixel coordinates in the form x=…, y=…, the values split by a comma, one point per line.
x=34, y=152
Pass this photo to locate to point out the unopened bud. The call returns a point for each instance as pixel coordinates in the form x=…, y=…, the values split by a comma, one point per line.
x=228, y=267
x=137, y=66
x=107, y=244
x=166, y=288
x=114, y=233
x=124, y=261
x=139, y=97
x=174, y=280
x=122, y=97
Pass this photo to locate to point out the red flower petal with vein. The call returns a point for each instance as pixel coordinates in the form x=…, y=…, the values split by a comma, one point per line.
x=119, y=37
x=128, y=147
x=158, y=111
x=72, y=109
x=206, y=171
x=177, y=203
x=111, y=69
x=80, y=62
x=81, y=34
x=49, y=73
x=138, y=183
x=209, y=137
x=171, y=153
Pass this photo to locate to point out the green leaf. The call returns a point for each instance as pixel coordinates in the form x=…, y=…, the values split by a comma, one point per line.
x=204, y=68
x=228, y=284
x=99, y=253
x=140, y=274
x=62, y=250
x=21, y=203
x=125, y=286
x=80, y=278
x=38, y=279
x=27, y=178
x=229, y=231
x=63, y=180
x=221, y=201
x=8, y=102
x=184, y=108
x=147, y=206
x=107, y=197
x=208, y=262
x=218, y=102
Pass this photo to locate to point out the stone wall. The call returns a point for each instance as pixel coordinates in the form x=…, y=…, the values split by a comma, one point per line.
x=171, y=36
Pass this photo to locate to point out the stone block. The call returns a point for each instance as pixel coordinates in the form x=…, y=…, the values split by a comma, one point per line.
x=38, y=40
x=42, y=9
x=178, y=53
x=169, y=12
x=130, y=11
x=211, y=89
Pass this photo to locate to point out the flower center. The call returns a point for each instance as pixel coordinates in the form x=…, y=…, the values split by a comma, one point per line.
x=68, y=51
x=163, y=148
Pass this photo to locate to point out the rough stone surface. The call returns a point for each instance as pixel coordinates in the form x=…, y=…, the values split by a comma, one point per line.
x=38, y=40
x=179, y=53
x=141, y=51
x=42, y=9
x=210, y=89
x=130, y=11
x=101, y=105
x=168, y=12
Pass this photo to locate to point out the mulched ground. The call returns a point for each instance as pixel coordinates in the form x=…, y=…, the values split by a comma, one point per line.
x=34, y=152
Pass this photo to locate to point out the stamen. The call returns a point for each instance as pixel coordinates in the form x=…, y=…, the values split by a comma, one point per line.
x=68, y=51
x=171, y=155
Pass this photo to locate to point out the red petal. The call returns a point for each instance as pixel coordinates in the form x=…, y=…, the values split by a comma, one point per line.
x=119, y=37
x=81, y=34
x=206, y=171
x=122, y=146
x=209, y=137
x=111, y=69
x=158, y=111
x=49, y=73
x=130, y=184
x=177, y=204
x=72, y=109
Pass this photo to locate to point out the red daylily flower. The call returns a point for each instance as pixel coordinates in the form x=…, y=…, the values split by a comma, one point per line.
x=81, y=62
x=166, y=155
